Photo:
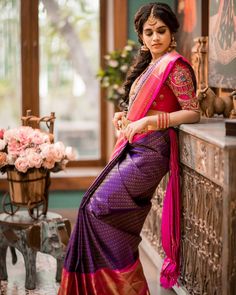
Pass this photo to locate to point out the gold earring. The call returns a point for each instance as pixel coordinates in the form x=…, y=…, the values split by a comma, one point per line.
x=173, y=44
x=144, y=47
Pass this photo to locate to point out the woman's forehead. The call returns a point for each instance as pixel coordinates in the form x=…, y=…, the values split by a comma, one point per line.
x=154, y=24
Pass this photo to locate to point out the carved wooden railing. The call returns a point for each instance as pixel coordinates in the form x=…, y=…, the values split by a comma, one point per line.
x=208, y=225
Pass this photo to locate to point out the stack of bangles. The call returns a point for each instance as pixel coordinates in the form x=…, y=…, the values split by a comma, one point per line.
x=163, y=120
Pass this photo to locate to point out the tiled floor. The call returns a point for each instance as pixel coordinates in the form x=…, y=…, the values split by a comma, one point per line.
x=46, y=270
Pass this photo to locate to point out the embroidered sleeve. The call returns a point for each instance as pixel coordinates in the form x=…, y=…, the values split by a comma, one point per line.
x=180, y=82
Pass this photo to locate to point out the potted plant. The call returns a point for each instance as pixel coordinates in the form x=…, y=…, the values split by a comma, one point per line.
x=112, y=76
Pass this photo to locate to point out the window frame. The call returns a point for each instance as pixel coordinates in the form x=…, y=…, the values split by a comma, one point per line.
x=30, y=71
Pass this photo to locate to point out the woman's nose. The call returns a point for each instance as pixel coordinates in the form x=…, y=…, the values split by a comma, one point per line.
x=156, y=36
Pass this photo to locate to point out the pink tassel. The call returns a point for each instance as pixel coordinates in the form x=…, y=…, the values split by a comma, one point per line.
x=169, y=273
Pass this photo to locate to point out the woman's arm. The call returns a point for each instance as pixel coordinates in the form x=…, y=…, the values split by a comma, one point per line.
x=183, y=117
x=181, y=82
x=176, y=118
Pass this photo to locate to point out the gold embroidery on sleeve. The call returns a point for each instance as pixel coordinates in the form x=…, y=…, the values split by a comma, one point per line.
x=181, y=83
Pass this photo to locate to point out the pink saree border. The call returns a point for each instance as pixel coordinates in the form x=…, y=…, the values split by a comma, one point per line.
x=129, y=280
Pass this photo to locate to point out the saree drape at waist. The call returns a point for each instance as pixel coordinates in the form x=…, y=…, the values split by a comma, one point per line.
x=102, y=256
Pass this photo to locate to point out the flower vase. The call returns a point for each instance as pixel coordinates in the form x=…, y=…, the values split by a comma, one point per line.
x=27, y=188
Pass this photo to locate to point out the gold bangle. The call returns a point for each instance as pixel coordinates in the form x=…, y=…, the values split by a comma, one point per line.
x=163, y=121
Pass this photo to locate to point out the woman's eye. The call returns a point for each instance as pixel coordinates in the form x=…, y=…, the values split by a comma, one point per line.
x=149, y=34
x=162, y=31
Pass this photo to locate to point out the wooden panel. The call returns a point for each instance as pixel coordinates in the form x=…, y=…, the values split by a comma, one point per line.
x=61, y=183
x=205, y=18
x=34, y=57
x=103, y=103
x=30, y=56
x=120, y=23
x=71, y=183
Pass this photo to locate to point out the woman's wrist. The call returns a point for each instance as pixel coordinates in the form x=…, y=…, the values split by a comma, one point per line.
x=146, y=123
x=150, y=121
x=163, y=121
x=156, y=122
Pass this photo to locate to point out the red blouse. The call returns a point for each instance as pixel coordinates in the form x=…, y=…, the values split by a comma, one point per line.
x=178, y=91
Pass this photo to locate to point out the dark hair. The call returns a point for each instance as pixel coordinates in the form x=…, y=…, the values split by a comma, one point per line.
x=161, y=11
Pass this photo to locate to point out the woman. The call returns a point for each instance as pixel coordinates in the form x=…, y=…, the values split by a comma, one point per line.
x=102, y=256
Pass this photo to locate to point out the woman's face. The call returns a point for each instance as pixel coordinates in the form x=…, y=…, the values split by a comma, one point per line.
x=156, y=36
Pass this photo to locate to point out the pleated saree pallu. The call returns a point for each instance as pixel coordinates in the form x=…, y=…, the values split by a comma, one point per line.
x=102, y=256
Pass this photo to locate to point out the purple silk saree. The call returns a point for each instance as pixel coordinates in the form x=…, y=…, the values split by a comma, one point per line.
x=102, y=256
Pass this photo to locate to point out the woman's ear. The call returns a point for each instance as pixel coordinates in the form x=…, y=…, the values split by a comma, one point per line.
x=33, y=237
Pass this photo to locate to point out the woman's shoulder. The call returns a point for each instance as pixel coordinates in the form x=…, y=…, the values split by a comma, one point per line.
x=181, y=64
x=177, y=59
x=182, y=73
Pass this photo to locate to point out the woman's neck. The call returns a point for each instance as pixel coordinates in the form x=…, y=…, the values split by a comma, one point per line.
x=156, y=57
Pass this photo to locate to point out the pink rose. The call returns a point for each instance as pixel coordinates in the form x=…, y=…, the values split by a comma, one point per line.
x=2, y=133
x=25, y=131
x=18, y=139
x=47, y=151
x=71, y=153
x=22, y=164
x=59, y=151
x=11, y=159
x=3, y=159
x=34, y=159
x=48, y=164
x=40, y=137
x=2, y=144
x=16, y=147
x=24, y=135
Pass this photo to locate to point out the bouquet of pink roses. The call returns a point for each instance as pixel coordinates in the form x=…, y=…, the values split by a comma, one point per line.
x=25, y=148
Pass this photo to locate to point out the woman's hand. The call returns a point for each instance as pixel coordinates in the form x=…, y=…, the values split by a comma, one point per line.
x=117, y=117
x=133, y=128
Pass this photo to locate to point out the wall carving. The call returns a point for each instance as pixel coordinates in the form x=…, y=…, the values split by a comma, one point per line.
x=232, y=222
x=201, y=234
x=199, y=61
x=232, y=247
x=203, y=157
